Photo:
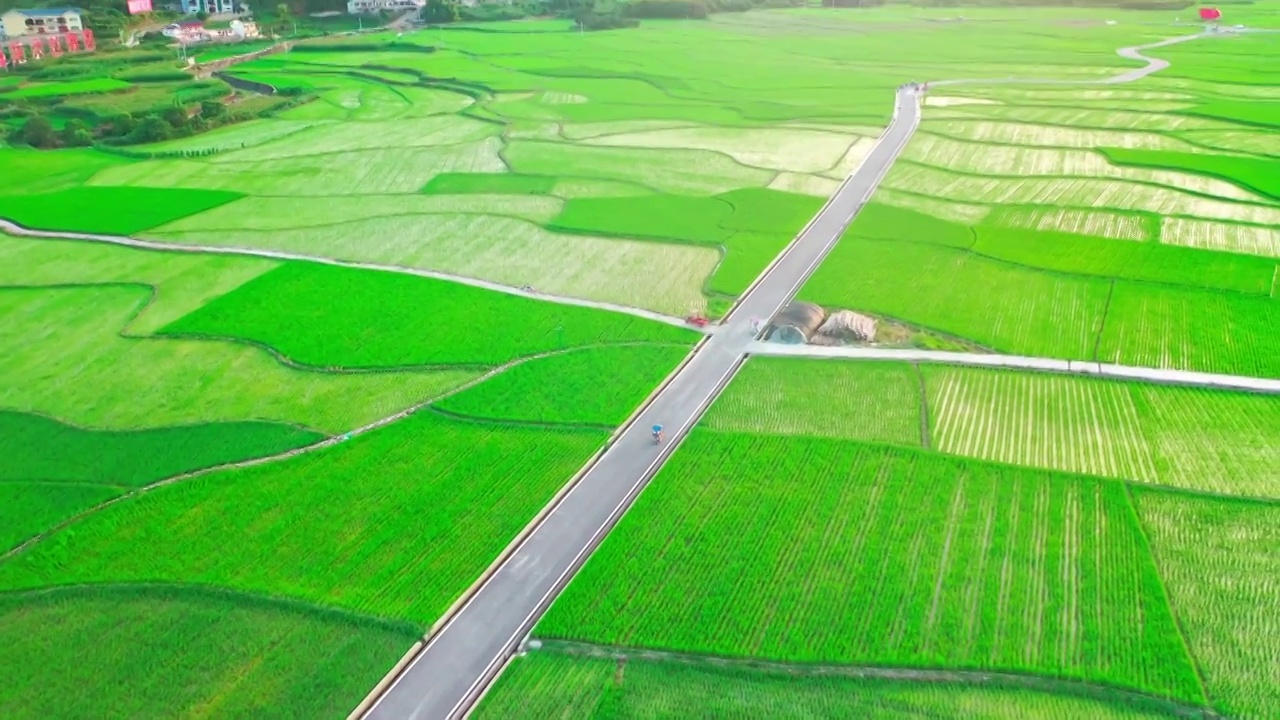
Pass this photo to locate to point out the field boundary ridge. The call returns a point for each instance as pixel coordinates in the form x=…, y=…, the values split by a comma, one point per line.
x=993, y=678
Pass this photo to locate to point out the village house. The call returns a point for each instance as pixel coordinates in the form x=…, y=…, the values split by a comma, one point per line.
x=42, y=21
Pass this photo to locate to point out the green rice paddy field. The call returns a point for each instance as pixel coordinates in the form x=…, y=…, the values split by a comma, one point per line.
x=242, y=485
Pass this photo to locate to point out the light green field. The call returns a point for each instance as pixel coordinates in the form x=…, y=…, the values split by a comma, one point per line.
x=1194, y=438
x=813, y=550
x=62, y=354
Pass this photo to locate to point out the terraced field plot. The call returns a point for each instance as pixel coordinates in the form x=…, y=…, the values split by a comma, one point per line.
x=549, y=683
x=1115, y=184
x=890, y=557
x=1194, y=438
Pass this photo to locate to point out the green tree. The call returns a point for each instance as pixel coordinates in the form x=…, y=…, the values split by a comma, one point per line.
x=153, y=128
x=439, y=11
x=76, y=133
x=175, y=115
x=38, y=132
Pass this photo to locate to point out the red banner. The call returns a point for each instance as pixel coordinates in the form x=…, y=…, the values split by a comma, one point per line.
x=18, y=52
x=55, y=45
x=139, y=6
x=4, y=59
x=1210, y=14
x=88, y=39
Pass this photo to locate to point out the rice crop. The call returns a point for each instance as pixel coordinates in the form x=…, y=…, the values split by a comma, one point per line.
x=691, y=172
x=182, y=281
x=162, y=651
x=1252, y=173
x=61, y=354
x=878, y=221
x=1219, y=564
x=888, y=557
x=73, y=87
x=1005, y=307
x=30, y=508
x=1108, y=119
x=433, y=322
x=98, y=209
x=490, y=184
x=872, y=401
x=333, y=138
x=664, y=277
x=394, y=523
x=598, y=386
x=1075, y=192
x=42, y=449
x=1019, y=133
x=283, y=213
x=44, y=172
x=789, y=149
x=1104, y=224
x=814, y=185
x=549, y=683
x=380, y=170
x=1146, y=261
x=1194, y=438
x=955, y=212
x=233, y=137
x=979, y=159
x=1249, y=239
x=1259, y=142
x=1187, y=329
x=1050, y=421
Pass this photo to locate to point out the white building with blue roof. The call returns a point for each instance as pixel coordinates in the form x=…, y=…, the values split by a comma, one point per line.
x=40, y=21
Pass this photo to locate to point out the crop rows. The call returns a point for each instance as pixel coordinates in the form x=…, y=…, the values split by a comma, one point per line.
x=593, y=386
x=1006, y=160
x=1077, y=192
x=380, y=170
x=548, y=683
x=690, y=172
x=1207, y=235
x=789, y=149
x=1181, y=329
x=1005, y=307
x=30, y=508
x=393, y=523
x=167, y=651
x=334, y=138
x=62, y=355
x=815, y=398
x=1095, y=223
x=1222, y=572
x=284, y=213
x=1050, y=421
x=887, y=557
x=1196, y=438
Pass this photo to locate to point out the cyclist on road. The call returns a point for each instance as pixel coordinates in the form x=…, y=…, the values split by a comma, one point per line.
x=657, y=434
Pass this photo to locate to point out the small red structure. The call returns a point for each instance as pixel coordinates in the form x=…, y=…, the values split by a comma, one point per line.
x=55, y=45
x=697, y=320
x=18, y=52
x=4, y=60
x=37, y=49
x=1209, y=14
x=88, y=39
x=73, y=42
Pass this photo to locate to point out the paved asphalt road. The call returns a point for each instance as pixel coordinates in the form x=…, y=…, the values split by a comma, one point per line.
x=463, y=656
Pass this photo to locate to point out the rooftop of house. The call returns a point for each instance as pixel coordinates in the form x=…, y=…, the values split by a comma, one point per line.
x=47, y=12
